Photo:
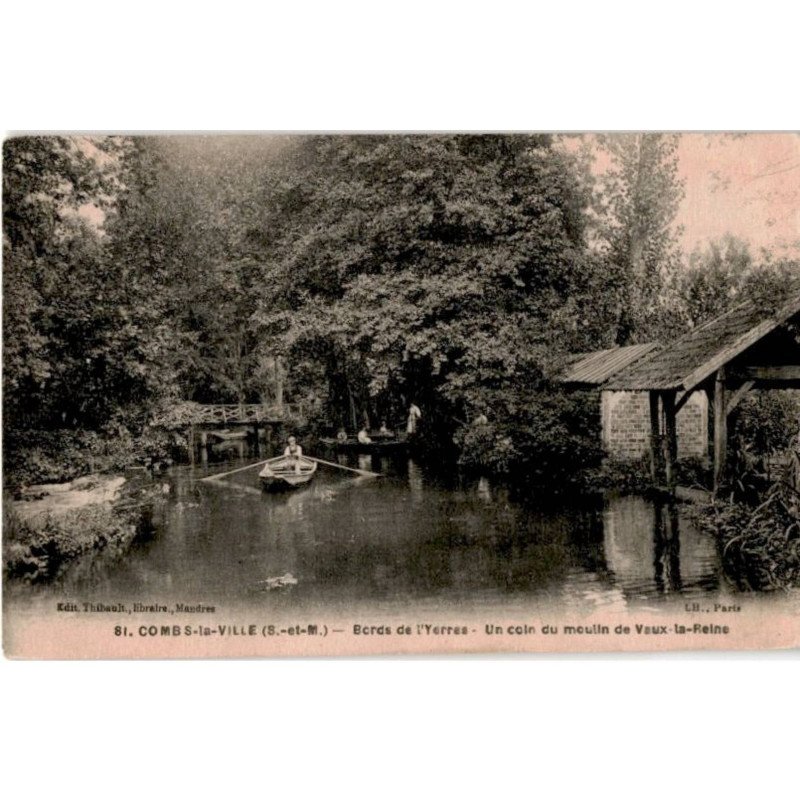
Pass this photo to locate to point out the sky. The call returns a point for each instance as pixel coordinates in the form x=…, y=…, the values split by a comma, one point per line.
x=745, y=185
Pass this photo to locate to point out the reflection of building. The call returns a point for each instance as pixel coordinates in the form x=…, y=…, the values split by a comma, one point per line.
x=650, y=546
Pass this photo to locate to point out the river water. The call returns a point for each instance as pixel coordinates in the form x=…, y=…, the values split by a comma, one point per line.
x=411, y=539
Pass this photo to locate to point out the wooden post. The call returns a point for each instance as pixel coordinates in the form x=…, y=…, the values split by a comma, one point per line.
x=353, y=420
x=191, y=445
x=256, y=444
x=720, y=429
x=671, y=443
x=655, y=436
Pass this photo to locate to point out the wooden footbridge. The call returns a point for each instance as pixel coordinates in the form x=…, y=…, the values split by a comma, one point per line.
x=185, y=415
x=201, y=422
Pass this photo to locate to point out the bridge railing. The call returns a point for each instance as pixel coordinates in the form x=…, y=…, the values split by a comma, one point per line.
x=188, y=413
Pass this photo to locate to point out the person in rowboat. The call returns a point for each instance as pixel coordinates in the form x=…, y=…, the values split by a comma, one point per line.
x=363, y=436
x=293, y=453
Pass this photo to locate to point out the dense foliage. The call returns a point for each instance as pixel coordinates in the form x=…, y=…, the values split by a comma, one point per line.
x=358, y=272
x=448, y=270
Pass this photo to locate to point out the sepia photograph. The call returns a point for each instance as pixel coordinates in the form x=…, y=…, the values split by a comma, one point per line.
x=395, y=393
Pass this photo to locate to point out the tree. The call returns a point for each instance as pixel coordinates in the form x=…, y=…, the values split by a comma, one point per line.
x=446, y=269
x=714, y=279
x=725, y=273
x=178, y=234
x=46, y=180
x=640, y=196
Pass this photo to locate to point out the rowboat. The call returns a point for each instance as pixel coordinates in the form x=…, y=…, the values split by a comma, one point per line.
x=380, y=444
x=287, y=473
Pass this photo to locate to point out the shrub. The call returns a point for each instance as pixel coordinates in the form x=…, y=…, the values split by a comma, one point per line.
x=481, y=448
x=34, y=456
x=760, y=545
x=553, y=439
x=766, y=421
x=37, y=551
x=625, y=475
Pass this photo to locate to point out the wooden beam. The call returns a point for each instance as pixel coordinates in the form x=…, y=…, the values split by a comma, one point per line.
x=681, y=401
x=655, y=435
x=671, y=438
x=720, y=429
x=786, y=372
x=737, y=394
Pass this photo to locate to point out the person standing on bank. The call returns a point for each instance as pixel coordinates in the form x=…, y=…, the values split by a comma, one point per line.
x=414, y=415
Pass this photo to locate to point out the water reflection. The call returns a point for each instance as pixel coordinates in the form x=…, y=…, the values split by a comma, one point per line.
x=415, y=483
x=411, y=537
x=236, y=448
x=652, y=548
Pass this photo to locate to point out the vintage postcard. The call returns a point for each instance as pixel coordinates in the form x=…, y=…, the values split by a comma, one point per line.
x=312, y=395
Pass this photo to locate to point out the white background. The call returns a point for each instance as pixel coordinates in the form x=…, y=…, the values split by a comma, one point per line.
x=698, y=726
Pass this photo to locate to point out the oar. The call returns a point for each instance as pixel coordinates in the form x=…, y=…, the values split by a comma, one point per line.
x=231, y=486
x=364, y=472
x=240, y=469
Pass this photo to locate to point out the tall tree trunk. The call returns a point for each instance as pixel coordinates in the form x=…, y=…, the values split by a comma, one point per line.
x=353, y=420
x=240, y=372
x=638, y=234
x=279, y=382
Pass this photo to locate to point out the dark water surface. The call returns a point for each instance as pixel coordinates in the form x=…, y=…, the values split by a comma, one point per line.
x=408, y=539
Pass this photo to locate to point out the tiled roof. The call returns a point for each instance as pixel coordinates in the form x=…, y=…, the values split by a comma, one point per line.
x=700, y=352
x=596, y=368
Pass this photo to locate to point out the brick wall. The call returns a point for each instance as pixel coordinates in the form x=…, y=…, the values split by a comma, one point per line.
x=693, y=427
x=626, y=425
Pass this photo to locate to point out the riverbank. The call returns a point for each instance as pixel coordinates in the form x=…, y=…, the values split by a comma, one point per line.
x=50, y=525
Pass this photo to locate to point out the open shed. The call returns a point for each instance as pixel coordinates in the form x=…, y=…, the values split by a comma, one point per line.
x=749, y=347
